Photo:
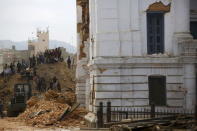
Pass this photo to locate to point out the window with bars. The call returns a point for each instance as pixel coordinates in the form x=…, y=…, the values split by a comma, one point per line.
x=155, y=32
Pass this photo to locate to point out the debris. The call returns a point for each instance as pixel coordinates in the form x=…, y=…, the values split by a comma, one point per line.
x=167, y=123
x=50, y=110
x=44, y=112
x=90, y=117
x=67, y=111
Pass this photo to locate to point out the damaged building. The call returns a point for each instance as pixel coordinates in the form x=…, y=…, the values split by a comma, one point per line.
x=137, y=52
x=40, y=44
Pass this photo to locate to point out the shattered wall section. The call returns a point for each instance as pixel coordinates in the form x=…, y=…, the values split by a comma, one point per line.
x=83, y=49
x=83, y=28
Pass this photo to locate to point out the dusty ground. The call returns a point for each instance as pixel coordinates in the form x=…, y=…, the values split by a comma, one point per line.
x=8, y=124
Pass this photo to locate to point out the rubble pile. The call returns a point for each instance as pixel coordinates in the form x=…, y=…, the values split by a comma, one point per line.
x=66, y=97
x=75, y=119
x=47, y=111
x=43, y=113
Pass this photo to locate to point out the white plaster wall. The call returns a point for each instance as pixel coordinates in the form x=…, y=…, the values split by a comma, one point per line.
x=121, y=27
x=129, y=86
x=121, y=67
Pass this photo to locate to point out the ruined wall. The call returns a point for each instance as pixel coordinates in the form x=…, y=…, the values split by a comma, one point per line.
x=82, y=49
x=83, y=26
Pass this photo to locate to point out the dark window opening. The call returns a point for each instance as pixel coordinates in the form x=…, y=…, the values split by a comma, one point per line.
x=155, y=32
x=193, y=29
x=157, y=90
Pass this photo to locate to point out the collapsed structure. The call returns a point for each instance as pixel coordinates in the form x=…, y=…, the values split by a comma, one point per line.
x=136, y=52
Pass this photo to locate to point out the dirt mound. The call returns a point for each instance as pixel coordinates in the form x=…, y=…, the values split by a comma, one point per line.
x=65, y=76
x=66, y=97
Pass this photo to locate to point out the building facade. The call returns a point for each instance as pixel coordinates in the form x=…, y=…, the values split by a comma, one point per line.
x=40, y=44
x=137, y=52
x=13, y=55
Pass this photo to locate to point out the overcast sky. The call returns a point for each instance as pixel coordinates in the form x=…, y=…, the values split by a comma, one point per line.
x=19, y=18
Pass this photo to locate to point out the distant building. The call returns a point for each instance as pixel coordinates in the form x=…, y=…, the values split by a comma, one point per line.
x=12, y=55
x=40, y=44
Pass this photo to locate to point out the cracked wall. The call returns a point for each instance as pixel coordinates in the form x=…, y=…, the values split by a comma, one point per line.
x=82, y=47
x=83, y=27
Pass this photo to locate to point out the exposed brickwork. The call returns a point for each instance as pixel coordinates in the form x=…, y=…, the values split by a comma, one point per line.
x=159, y=6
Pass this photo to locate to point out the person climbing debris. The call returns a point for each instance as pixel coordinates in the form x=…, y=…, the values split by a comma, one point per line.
x=69, y=62
x=1, y=109
x=55, y=85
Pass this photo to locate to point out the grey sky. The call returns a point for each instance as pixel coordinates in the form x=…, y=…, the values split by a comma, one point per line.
x=19, y=18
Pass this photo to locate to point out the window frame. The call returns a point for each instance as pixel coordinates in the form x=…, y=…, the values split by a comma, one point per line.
x=164, y=78
x=162, y=32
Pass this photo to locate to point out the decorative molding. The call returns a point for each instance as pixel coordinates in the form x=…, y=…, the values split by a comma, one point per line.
x=159, y=6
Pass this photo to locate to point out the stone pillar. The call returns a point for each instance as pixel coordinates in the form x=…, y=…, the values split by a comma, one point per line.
x=182, y=23
x=190, y=85
x=182, y=16
x=135, y=27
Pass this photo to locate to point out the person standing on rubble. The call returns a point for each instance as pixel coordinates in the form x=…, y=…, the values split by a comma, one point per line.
x=1, y=109
x=12, y=67
x=69, y=62
x=42, y=84
x=18, y=67
x=56, y=84
x=33, y=61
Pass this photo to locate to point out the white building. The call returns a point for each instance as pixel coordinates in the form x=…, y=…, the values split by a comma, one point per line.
x=12, y=55
x=137, y=52
x=40, y=44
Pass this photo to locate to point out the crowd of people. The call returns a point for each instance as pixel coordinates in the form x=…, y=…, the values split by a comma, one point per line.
x=49, y=57
x=27, y=69
x=12, y=68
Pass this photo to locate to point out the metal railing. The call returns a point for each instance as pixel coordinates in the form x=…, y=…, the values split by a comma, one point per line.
x=118, y=114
